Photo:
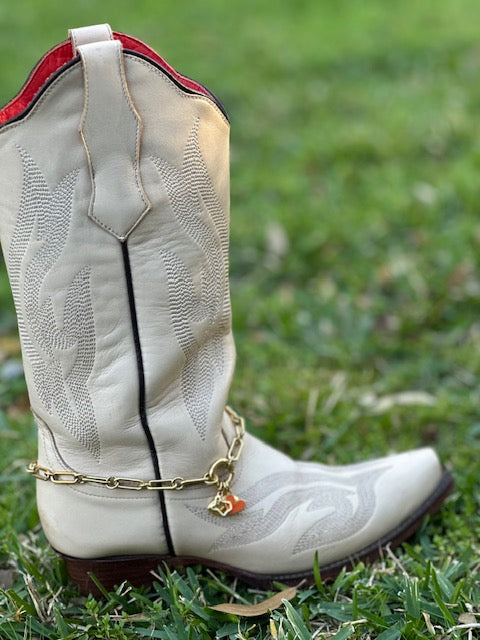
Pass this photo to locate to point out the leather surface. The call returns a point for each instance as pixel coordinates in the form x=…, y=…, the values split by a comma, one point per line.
x=111, y=132
x=92, y=33
x=296, y=508
x=70, y=292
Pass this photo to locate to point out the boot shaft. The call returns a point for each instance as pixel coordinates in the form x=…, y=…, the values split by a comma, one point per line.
x=114, y=211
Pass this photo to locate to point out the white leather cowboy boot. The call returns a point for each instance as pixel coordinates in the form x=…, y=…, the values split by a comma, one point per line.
x=114, y=214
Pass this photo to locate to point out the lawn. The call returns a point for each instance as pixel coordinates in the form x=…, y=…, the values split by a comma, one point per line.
x=355, y=278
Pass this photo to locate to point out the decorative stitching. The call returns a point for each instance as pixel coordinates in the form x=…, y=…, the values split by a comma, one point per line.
x=179, y=92
x=43, y=426
x=138, y=128
x=74, y=41
x=7, y=127
x=200, y=315
x=61, y=354
x=346, y=503
x=136, y=115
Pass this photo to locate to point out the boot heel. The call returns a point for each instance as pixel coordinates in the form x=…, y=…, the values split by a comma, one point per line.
x=110, y=572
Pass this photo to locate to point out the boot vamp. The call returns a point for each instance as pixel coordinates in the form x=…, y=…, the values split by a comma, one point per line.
x=294, y=509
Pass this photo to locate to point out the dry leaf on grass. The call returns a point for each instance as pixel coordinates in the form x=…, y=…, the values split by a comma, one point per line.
x=382, y=404
x=467, y=618
x=428, y=623
x=251, y=610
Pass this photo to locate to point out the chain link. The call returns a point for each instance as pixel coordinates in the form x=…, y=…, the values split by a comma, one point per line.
x=220, y=473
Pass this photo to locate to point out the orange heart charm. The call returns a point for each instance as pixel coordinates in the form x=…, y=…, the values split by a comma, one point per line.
x=237, y=504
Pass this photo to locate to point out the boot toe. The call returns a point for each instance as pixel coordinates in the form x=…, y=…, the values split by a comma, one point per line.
x=390, y=498
x=296, y=509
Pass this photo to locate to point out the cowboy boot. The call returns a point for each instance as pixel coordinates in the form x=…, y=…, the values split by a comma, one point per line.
x=114, y=213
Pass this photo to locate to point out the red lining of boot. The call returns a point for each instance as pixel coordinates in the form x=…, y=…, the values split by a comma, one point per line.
x=63, y=53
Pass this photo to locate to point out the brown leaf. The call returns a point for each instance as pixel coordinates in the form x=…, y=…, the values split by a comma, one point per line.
x=251, y=610
x=467, y=618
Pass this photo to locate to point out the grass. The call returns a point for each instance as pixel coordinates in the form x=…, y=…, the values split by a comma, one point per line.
x=355, y=277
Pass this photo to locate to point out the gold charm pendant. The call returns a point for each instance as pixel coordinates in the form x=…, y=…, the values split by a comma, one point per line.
x=226, y=504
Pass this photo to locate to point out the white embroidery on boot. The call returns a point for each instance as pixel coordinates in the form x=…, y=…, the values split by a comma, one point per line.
x=61, y=353
x=200, y=314
x=346, y=503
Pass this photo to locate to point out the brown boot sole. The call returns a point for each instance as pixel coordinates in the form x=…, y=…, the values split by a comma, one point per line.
x=137, y=569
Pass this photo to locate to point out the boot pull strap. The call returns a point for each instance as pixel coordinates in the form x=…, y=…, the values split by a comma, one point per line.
x=84, y=35
x=111, y=131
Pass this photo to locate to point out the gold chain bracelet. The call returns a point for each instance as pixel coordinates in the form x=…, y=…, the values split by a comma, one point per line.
x=220, y=474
